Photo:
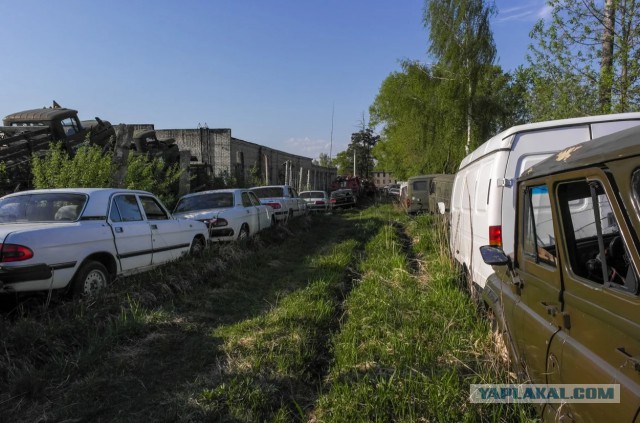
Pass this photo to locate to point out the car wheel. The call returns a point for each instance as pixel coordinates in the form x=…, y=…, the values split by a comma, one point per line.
x=244, y=233
x=90, y=279
x=197, y=247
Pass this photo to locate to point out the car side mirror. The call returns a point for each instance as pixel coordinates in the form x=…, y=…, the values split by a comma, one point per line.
x=494, y=256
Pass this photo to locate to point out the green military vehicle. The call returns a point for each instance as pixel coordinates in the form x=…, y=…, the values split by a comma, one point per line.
x=31, y=131
x=146, y=142
x=424, y=192
x=567, y=301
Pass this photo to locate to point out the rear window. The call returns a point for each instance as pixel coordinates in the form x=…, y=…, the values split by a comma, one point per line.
x=268, y=192
x=46, y=207
x=312, y=194
x=421, y=186
x=214, y=200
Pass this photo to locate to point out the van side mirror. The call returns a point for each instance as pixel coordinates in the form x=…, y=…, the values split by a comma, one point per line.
x=494, y=256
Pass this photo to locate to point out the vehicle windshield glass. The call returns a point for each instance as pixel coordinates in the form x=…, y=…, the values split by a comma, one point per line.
x=268, y=192
x=47, y=207
x=214, y=200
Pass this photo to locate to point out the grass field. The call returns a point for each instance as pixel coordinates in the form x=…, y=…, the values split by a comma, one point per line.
x=353, y=316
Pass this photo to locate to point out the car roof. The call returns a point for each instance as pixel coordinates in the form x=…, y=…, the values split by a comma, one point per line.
x=616, y=146
x=98, y=197
x=212, y=191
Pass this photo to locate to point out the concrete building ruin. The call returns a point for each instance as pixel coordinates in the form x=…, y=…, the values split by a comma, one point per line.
x=221, y=155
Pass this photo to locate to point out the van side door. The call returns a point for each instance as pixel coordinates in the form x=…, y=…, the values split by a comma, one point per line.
x=599, y=339
x=537, y=313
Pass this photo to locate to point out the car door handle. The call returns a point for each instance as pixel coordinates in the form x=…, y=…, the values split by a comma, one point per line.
x=118, y=229
x=154, y=226
x=552, y=309
x=635, y=361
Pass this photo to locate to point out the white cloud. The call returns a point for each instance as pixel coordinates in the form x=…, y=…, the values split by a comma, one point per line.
x=528, y=12
x=307, y=147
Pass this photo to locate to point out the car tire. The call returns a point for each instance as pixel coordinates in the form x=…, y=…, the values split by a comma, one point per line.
x=197, y=247
x=243, y=235
x=91, y=278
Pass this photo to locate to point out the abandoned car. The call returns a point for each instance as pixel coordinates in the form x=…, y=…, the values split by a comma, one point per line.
x=566, y=301
x=229, y=213
x=79, y=239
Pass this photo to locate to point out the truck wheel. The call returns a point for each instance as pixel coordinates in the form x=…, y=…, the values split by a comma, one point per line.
x=197, y=247
x=243, y=235
x=90, y=279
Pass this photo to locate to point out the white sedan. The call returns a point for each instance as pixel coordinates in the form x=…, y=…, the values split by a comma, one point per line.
x=316, y=200
x=230, y=213
x=81, y=238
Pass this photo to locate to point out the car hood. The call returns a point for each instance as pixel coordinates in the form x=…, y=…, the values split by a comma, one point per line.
x=199, y=214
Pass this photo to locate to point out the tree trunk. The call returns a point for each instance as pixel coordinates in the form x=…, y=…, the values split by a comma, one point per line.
x=606, y=59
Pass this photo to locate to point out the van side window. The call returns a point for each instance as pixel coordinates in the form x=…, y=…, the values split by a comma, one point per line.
x=597, y=252
x=538, y=235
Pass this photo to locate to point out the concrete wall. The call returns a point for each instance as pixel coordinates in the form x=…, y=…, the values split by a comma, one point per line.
x=224, y=155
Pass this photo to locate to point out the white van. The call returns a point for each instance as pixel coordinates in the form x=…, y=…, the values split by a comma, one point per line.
x=483, y=198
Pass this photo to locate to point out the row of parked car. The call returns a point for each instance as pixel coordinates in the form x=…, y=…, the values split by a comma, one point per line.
x=545, y=224
x=80, y=239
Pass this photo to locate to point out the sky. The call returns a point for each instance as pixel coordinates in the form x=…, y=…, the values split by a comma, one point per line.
x=294, y=75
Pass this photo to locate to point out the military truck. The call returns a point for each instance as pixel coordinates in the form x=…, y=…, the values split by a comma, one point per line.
x=146, y=142
x=566, y=301
x=31, y=131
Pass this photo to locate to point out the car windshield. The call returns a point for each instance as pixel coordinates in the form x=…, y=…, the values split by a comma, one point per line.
x=46, y=207
x=213, y=200
x=268, y=192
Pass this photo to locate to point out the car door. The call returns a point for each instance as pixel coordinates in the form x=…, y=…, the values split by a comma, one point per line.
x=537, y=310
x=250, y=213
x=131, y=232
x=262, y=212
x=599, y=337
x=168, y=235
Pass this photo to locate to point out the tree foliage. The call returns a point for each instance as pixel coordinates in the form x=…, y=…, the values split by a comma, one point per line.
x=461, y=40
x=584, y=60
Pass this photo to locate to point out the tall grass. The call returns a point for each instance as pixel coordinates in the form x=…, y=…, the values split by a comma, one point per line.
x=356, y=316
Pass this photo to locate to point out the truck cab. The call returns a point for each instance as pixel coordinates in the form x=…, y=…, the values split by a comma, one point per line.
x=54, y=124
x=566, y=300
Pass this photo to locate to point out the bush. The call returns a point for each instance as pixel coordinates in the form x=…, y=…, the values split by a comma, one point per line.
x=91, y=168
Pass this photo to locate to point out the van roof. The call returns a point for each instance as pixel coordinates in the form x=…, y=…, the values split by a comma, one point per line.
x=616, y=146
x=504, y=139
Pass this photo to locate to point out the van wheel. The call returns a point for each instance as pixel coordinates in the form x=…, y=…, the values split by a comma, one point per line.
x=90, y=279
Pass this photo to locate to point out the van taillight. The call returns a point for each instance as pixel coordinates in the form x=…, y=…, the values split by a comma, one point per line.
x=495, y=236
x=13, y=252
